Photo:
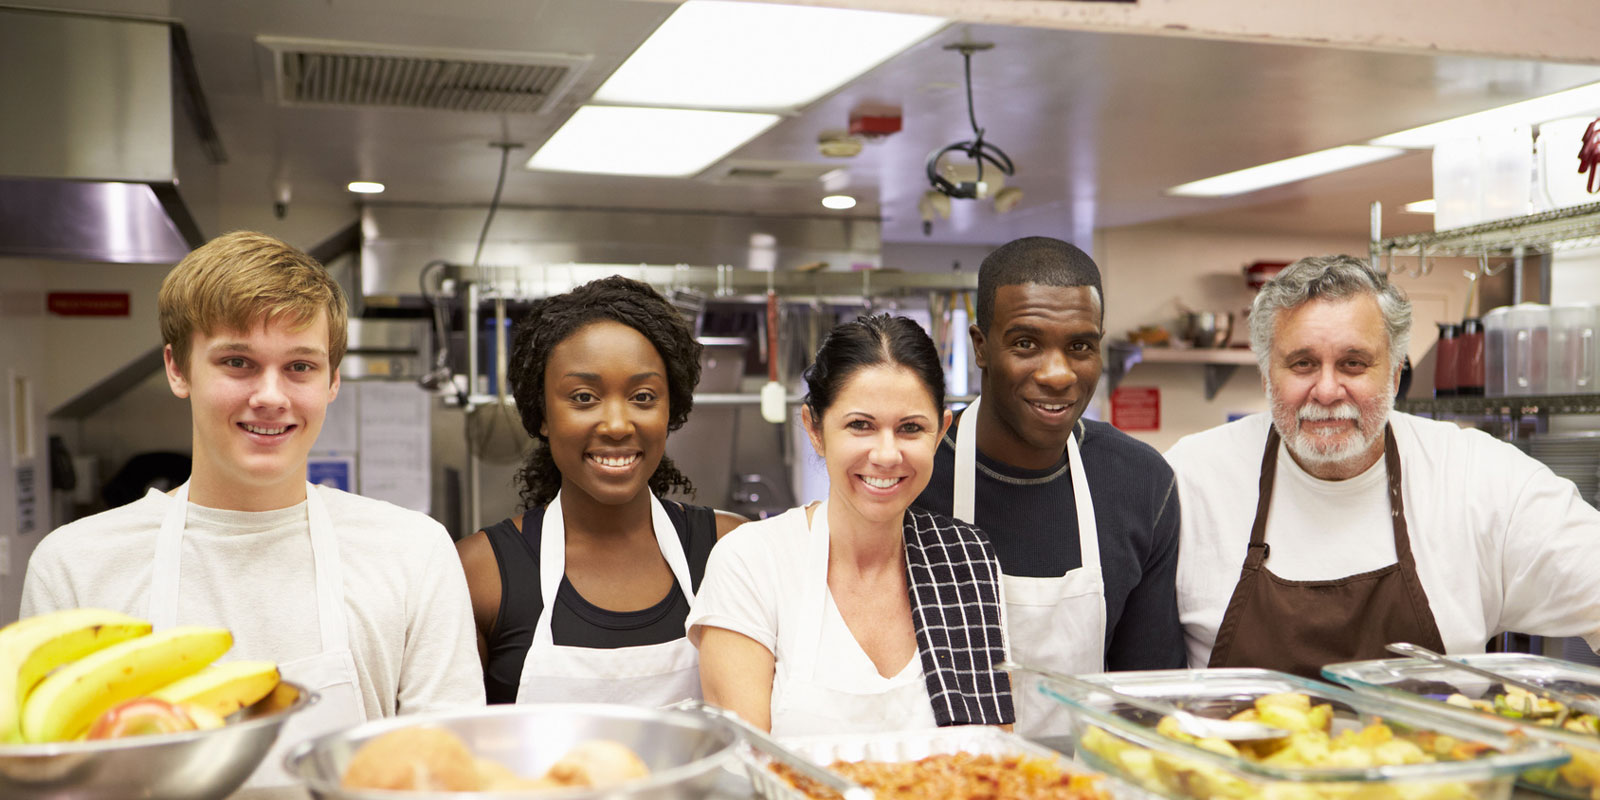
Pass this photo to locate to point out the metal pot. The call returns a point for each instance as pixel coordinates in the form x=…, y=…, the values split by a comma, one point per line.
x=685, y=750
x=1206, y=329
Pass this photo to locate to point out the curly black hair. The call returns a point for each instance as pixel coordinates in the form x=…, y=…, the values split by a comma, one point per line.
x=551, y=320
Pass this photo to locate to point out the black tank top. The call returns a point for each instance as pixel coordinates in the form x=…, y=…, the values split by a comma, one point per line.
x=576, y=622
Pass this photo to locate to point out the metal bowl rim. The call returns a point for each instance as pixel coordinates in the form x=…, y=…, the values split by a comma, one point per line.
x=657, y=779
x=305, y=698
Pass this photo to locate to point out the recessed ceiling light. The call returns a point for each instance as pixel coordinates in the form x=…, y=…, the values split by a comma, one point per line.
x=365, y=187
x=1288, y=170
x=758, y=56
x=1584, y=99
x=1428, y=206
x=838, y=202
x=663, y=142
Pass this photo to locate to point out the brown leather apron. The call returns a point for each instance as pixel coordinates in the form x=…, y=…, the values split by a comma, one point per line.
x=1298, y=626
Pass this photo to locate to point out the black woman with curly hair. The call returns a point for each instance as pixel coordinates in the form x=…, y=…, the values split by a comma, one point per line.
x=584, y=596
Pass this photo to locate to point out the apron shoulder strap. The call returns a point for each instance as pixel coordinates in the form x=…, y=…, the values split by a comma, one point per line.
x=697, y=529
x=532, y=525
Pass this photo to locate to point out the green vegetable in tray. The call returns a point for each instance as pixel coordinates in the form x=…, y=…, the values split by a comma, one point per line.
x=1579, y=777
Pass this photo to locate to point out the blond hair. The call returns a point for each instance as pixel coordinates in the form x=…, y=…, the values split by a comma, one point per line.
x=243, y=279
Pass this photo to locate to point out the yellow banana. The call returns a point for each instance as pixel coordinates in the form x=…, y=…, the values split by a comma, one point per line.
x=222, y=688
x=72, y=697
x=31, y=648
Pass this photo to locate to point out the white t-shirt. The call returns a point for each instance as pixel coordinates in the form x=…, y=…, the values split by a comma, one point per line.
x=754, y=582
x=1500, y=542
x=406, y=605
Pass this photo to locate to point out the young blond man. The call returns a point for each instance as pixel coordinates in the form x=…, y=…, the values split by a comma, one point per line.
x=361, y=601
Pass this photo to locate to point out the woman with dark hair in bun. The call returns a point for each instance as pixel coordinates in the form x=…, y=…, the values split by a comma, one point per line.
x=859, y=614
x=584, y=596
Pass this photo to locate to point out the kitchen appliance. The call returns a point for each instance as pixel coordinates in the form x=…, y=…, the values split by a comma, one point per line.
x=685, y=750
x=1112, y=736
x=194, y=765
x=1415, y=681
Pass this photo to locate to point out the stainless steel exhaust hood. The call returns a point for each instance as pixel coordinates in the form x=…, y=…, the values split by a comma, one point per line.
x=102, y=117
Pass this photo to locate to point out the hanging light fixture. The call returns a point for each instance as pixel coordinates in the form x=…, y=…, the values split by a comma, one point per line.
x=973, y=169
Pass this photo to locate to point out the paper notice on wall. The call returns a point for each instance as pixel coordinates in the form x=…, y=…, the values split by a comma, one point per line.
x=394, y=458
x=339, y=427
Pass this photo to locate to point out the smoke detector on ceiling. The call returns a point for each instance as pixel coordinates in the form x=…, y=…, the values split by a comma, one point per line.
x=311, y=72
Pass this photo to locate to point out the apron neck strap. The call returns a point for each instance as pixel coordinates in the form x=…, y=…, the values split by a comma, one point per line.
x=1258, y=549
x=1397, y=503
x=162, y=605
x=553, y=557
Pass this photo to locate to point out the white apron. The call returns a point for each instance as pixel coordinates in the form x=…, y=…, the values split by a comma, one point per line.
x=803, y=703
x=330, y=673
x=646, y=675
x=1055, y=623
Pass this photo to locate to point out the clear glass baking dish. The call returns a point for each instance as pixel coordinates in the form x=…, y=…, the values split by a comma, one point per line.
x=1118, y=739
x=912, y=746
x=1413, y=680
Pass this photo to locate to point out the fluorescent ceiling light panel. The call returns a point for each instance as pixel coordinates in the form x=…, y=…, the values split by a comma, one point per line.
x=839, y=202
x=365, y=187
x=1428, y=206
x=758, y=56
x=1582, y=100
x=1288, y=170
x=663, y=142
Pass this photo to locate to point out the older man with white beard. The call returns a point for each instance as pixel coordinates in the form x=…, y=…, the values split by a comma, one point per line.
x=1335, y=525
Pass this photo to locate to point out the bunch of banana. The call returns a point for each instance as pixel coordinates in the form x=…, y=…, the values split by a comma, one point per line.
x=59, y=672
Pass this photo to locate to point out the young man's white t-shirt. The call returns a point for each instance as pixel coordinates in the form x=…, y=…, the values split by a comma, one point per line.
x=407, y=610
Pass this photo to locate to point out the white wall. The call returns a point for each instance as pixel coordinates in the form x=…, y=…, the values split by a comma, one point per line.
x=21, y=329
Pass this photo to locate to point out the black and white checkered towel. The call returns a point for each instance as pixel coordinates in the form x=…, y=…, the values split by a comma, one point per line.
x=954, y=580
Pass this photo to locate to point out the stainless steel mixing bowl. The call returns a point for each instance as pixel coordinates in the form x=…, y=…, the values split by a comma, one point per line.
x=685, y=750
x=196, y=765
x=1206, y=329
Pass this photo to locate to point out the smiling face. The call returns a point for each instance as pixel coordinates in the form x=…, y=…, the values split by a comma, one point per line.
x=1041, y=360
x=606, y=411
x=258, y=398
x=878, y=438
x=1331, y=383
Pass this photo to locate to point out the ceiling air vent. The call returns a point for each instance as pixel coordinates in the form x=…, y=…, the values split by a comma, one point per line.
x=769, y=173
x=306, y=72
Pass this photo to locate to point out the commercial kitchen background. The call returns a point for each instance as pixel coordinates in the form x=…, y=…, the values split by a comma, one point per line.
x=1102, y=105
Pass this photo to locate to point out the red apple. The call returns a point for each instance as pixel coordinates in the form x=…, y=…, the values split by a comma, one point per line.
x=141, y=716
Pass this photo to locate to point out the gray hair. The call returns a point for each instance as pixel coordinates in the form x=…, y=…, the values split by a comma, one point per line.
x=1328, y=278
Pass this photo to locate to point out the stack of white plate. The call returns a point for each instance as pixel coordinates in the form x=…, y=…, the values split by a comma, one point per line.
x=1574, y=456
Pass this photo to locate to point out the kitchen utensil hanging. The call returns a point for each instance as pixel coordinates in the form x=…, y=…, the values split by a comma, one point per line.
x=773, y=395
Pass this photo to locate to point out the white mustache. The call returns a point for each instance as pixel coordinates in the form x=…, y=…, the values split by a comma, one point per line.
x=1317, y=413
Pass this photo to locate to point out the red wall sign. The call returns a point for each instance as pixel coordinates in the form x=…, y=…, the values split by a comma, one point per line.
x=88, y=304
x=1136, y=408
